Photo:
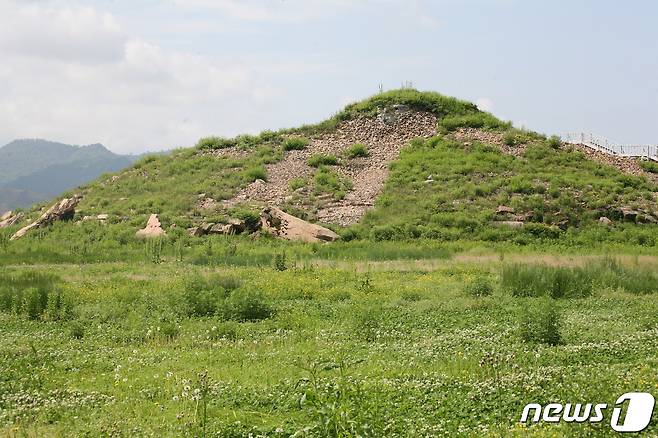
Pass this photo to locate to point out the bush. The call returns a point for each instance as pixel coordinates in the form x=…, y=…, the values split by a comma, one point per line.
x=295, y=144
x=256, y=172
x=541, y=322
x=480, y=120
x=554, y=142
x=225, y=330
x=480, y=287
x=202, y=297
x=318, y=160
x=546, y=281
x=280, y=261
x=34, y=295
x=248, y=304
x=77, y=330
x=649, y=166
x=297, y=183
x=214, y=143
x=328, y=181
x=357, y=150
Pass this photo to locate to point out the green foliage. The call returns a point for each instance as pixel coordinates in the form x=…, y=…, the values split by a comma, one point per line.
x=479, y=120
x=329, y=181
x=153, y=247
x=249, y=304
x=280, y=261
x=295, y=144
x=256, y=172
x=297, y=183
x=648, y=166
x=559, y=194
x=541, y=322
x=317, y=160
x=214, y=143
x=546, y=281
x=35, y=295
x=204, y=297
x=357, y=150
x=479, y=287
x=554, y=142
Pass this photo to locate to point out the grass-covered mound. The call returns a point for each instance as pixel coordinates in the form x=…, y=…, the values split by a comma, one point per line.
x=558, y=192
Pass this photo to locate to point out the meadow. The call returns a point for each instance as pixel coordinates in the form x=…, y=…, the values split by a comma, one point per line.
x=319, y=344
x=428, y=318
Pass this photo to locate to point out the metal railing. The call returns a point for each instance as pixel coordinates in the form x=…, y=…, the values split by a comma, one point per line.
x=602, y=144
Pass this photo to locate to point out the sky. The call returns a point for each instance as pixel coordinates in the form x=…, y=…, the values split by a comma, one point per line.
x=148, y=75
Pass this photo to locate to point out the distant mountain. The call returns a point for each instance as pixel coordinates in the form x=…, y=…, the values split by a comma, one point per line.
x=35, y=170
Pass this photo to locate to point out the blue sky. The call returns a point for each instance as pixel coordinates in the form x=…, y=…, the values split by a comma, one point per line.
x=156, y=74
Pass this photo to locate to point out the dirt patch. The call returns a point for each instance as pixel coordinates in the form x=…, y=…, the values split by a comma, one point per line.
x=384, y=137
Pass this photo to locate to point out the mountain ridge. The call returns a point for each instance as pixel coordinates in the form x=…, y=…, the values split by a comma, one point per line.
x=34, y=170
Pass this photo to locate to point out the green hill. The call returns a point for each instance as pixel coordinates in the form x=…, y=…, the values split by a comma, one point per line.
x=475, y=178
x=38, y=170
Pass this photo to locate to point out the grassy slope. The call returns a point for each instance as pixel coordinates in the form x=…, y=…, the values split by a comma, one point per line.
x=555, y=185
x=550, y=186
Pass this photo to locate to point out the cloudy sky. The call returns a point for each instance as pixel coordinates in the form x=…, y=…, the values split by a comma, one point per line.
x=141, y=75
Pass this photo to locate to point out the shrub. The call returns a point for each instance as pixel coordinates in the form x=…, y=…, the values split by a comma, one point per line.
x=225, y=330
x=256, y=172
x=367, y=323
x=357, y=150
x=328, y=181
x=202, y=297
x=546, y=281
x=34, y=295
x=280, y=261
x=214, y=143
x=480, y=287
x=297, y=183
x=554, y=141
x=480, y=120
x=77, y=330
x=295, y=144
x=541, y=322
x=649, y=166
x=248, y=304
x=318, y=160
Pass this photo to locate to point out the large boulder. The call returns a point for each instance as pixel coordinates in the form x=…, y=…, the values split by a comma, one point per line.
x=63, y=210
x=153, y=228
x=289, y=227
x=10, y=218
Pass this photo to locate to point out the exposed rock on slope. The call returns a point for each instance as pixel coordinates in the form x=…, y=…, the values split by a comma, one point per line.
x=383, y=136
x=63, y=210
x=153, y=228
x=625, y=164
x=289, y=227
x=10, y=218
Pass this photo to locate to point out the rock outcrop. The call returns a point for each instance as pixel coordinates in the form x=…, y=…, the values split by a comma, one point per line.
x=383, y=136
x=289, y=227
x=10, y=218
x=234, y=226
x=63, y=210
x=153, y=228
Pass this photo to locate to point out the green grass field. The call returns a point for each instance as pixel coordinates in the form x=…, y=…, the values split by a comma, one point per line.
x=427, y=319
x=323, y=346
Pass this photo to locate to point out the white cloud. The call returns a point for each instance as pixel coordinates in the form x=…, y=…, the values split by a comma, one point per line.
x=484, y=104
x=71, y=74
x=270, y=10
x=79, y=34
